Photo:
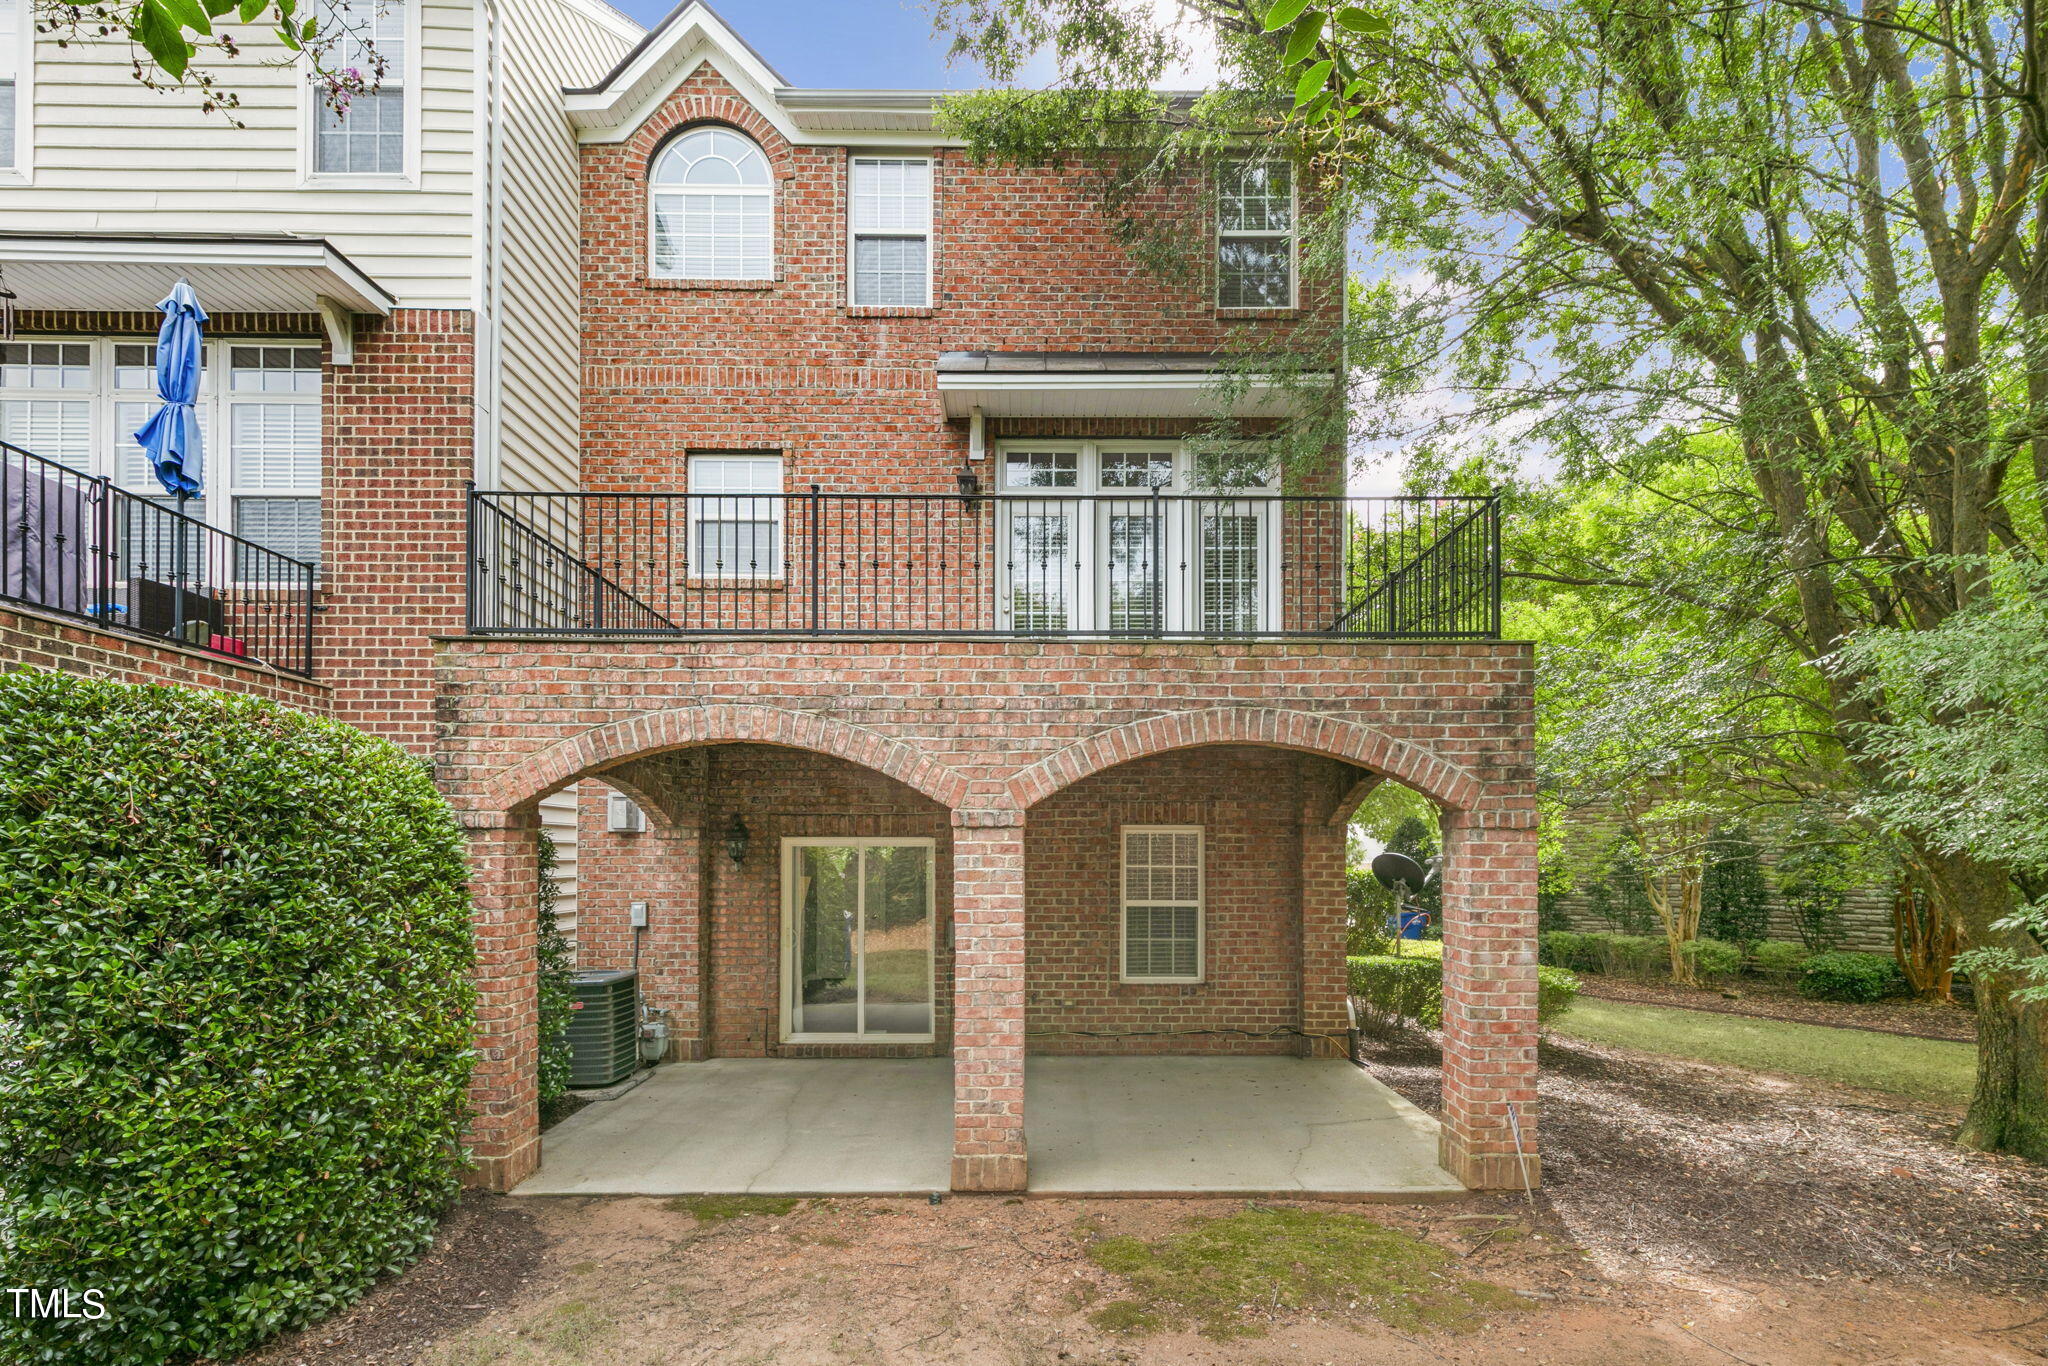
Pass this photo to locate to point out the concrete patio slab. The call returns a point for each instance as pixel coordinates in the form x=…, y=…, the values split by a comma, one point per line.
x=1095, y=1126
x=1226, y=1126
x=781, y=1126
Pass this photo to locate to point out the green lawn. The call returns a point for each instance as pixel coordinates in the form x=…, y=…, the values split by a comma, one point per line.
x=1925, y=1069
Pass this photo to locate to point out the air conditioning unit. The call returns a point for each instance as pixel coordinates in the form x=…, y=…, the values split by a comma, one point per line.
x=604, y=1033
x=622, y=816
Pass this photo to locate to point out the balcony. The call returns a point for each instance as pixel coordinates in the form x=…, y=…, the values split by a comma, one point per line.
x=1143, y=566
x=79, y=546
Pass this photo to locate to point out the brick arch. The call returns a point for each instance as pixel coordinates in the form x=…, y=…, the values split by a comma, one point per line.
x=706, y=97
x=1437, y=778
x=594, y=750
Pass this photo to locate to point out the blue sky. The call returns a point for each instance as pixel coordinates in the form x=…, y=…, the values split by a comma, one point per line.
x=872, y=43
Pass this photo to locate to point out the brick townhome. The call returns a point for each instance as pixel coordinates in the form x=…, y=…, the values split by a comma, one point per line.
x=966, y=714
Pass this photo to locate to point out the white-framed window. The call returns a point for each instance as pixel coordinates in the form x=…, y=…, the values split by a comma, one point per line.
x=1255, y=239
x=1161, y=878
x=711, y=209
x=1086, y=546
x=889, y=232
x=17, y=68
x=735, y=516
x=79, y=401
x=376, y=136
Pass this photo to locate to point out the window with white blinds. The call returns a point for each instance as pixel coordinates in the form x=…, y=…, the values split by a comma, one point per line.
x=890, y=222
x=79, y=402
x=1162, y=903
x=711, y=201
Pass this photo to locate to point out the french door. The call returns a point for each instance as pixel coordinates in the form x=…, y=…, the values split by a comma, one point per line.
x=1084, y=544
x=857, y=940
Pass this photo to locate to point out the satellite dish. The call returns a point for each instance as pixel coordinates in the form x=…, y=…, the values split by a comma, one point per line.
x=1391, y=869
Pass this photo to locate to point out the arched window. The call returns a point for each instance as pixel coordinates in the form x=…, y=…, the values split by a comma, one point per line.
x=711, y=199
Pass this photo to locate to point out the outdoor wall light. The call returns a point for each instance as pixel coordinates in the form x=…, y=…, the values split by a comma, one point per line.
x=736, y=837
x=969, y=482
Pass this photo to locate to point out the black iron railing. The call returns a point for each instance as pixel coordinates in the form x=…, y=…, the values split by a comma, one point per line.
x=77, y=545
x=1147, y=565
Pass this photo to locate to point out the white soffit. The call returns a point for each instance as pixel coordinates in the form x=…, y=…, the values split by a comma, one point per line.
x=129, y=274
x=1080, y=386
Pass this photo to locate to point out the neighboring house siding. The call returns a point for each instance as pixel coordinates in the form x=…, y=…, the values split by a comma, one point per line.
x=111, y=156
x=546, y=44
x=558, y=818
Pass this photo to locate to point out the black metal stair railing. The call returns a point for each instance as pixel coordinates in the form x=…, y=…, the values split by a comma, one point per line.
x=1143, y=564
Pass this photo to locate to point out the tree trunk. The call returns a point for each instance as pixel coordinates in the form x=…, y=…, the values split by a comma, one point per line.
x=2009, y=1111
x=1923, y=940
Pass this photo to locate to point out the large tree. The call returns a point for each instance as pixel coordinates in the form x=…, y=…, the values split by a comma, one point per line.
x=1817, y=231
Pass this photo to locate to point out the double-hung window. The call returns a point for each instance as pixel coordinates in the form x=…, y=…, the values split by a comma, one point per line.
x=1255, y=248
x=889, y=219
x=735, y=516
x=711, y=206
x=1162, y=903
x=369, y=137
x=272, y=414
x=16, y=28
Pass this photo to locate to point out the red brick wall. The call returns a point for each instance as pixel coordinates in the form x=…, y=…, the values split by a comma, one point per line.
x=1023, y=261
x=398, y=431
x=1249, y=803
x=42, y=641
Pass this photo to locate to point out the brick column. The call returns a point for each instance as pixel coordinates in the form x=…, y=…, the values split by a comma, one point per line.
x=1324, y=984
x=504, y=1091
x=988, y=1001
x=1489, y=1004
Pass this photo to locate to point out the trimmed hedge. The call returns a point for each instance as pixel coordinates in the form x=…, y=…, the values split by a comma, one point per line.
x=1714, y=957
x=1857, y=977
x=1778, y=958
x=236, y=1009
x=1648, y=956
x=1412, y=988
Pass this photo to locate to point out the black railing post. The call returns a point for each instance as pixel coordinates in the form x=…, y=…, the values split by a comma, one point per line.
x=1159, y=557
x=1494, y=568
x=816, y=587
x=469, y=549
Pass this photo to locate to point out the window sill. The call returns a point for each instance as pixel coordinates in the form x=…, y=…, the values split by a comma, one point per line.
x=1162, y=983
x=332, y=180
x=863, y=311
x=743, y=584
x=670, y=282
x=1244, y=315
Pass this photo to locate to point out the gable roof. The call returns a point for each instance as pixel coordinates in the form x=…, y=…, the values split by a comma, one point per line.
x=693, y=34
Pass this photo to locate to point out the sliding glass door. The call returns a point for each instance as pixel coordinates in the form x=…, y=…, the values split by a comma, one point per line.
x=857, y=939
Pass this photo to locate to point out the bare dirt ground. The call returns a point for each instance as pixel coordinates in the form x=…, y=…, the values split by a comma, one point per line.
x=1780, y=1001
x=1689, y=1214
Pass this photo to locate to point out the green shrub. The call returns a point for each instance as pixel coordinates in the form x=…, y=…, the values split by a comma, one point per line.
x=1778, y=958
x=1412, y=988
x=557, y=988
x=1859, y=977
x=235, y=985
x=1714, y=957
x=1637, y=955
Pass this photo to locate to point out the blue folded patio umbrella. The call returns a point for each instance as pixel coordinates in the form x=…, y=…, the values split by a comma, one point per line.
x=171, y=436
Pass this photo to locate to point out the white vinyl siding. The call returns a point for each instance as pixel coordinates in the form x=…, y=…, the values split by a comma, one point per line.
x=1162, y=903
x=711, y=206
x=889, y=219
x=533, y=397
x=558, y=814
x=1255, y=248
x=105, y=146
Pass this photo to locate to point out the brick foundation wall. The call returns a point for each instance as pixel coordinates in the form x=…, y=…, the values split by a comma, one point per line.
x=1248, y=802
x=44, y=641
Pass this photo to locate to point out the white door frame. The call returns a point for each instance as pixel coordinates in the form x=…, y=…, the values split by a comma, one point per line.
x=790, y=981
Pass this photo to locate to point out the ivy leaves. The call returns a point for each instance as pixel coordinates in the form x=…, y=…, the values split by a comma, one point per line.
x=1322, y=53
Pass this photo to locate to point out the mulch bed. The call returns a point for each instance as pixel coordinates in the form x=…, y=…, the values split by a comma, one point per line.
x=1665, y=1163
x=488, y=1248
x=1776, y=1001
